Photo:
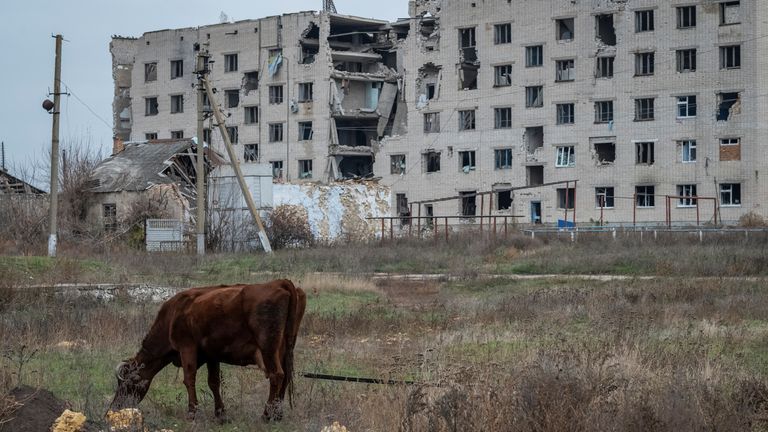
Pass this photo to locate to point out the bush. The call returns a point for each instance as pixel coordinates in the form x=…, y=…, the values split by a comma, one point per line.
x=288, y=227
x=752, y=220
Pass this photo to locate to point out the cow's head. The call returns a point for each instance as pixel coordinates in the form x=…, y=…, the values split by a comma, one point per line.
x=132, y=386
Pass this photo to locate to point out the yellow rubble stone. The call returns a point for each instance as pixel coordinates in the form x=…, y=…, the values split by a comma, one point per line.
x=335, y=427
x=69, y=421
x=129, y=419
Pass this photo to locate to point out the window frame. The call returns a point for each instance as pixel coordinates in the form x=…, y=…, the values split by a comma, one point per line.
x=251, y=156
x=604, y=115
x=251, y=114
x=502, y=33
x=306, y=168
x=566, y=113
x=499, y=120
x=231, y=62
x=397, y=164
x=733, y=191
x=432, y=162
x=688, y=151
x=565, y=156
x=530, y=100
x=645, y=64
x=500, y=78
x=177, y=69
x=645, y=109
x=645, y=196
x=472, y=159
x=306, y=92
x=276, y=132
x=645, y=153
x=687, y=13
x=150, y=72
x=534, y=56
x=724, y=15
x=686, y=106
x=177, y=104
x=151, y=106
x=685, y=57
x=563, y=73
x=645, y=21
x=431, y=122
x=306, y=131
x=276, y=95
x=690, y=192
x=609, y=197
x=232, y=97
x=502, y=159
x=467, y=124
x=730, y=57
x=604, y=67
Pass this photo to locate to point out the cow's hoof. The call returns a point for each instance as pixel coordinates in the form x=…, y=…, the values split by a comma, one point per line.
x=191, y=416
x=221, y=417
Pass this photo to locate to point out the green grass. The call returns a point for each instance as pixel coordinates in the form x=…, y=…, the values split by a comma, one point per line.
x=339, y=304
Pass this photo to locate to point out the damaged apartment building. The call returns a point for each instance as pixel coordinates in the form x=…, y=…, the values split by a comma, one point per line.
x=636, y=100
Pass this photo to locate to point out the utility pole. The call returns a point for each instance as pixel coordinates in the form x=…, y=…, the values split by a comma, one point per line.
x=2, y=154
x=236, y=167
x=202, y=70
x=54, y=206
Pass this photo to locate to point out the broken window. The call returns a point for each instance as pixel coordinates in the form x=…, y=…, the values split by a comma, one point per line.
x=251, y=114
x=468, y=77
x=604, y=197
x=466, y=120
x=730, y=13
x=534, y=97
x=686, y=60
x=605, y=67
x=606, y=32
x=305, y=169
x=150, y=72
x=177, y=104
x=397, y=164
x=566, y=157
x=233, y=98
x=150, y=106
x=305, y=131
x=644, y=153
x=534, y=56
x=728, y=104
x=644, y=21
x=309, y=53
x=565, y=29
x=730, y=194
x=686, y=106
x=275, y=132
x=431, y=122
x=468, y=45
x=730, y=57
x=605, y=153
x=688, y=148
x=502, y=33
x=603, y=111
x=566, y=113
x=686, y=194
x=645, y=63
x=534, y=138
x=277, y=169
x=403, y=209
x=566, y=198
x=467, y=161
x=504, y=200
x=206, y=104
x=502, y=118
x=534, y=175
x=207, y=135
x=234, y=136
x=230, y=62
x=177, y=134
x=432, y=161
x=109, y=213
x=686, y=17
x=468, y=203
x=502, y=158
x=275, y=94
x=250, y=81
x=502, y=75
x=565, y=70
x=431, y=91
x=645, y=196
x=251, y=153
x=644, y=109
x=730, y=149
x=306, y=92
x=177, y=69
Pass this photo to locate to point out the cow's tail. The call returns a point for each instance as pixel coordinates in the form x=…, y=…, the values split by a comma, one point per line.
x=293, y=320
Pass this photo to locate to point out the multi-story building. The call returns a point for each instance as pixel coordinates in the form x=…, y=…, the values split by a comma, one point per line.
x=636, y=100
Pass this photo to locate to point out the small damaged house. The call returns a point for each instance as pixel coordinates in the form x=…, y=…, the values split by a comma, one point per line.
x=12, y=185
x=156, y=176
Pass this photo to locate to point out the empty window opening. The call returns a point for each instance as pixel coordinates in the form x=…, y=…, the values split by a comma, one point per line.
x=468, y=45
x=565, y=29
x=728, y=105
x=357, y=132
x=431, y=122
x=504, y=200
x=467, y=120
x=309, y=52
x=502, y=33
x=467, y=161
x=151, y=107
x=432, y=162
x=150, y=136
x=687, y=194
x=233, y=98
x=275, y=132
x=534, y=56
x=606, y=32
x=305, y=168
x=566, y=157
x=603, y=111
x=534, y=175
x=431, y=91
x=468, y=77
x=605, y=67
x=305, y=131
x=177, y=104
x=686, y=106
x=251, y=153
x=502, y=159
x=234, y=135
x=644, y=21
x=686, y=17
x=207, y=135
x=275, y=94
x=730, y=194
x=502, y=118
x=644, y=153
x=645, y=196
x=645, y=64
x=605, y=153
x=534, y=97
x=534, y=138
x=306, y=92
x=502, y=76
x=250, y=81
x=352, y=167
x=644, y=109
x=566, y=198
x=150, y=72
x=177, y=134
x=686, y=60
x=277, y=169
x=403, y=210
x=730, y=149
x=730, y=57
x=429, y=212
x=565, y=70
x=468, y=203
x=251, y=115
x=604, y=197
x=566, y=114
x=109, y=213
x=397, y=164
x=230, y=62
x=688, y=150
x=177, y=69
x=730, y=13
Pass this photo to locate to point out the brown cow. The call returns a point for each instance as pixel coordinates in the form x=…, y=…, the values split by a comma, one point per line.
x=239, y=325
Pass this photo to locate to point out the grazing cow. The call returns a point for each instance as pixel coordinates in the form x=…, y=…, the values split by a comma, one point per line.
x=239, y=325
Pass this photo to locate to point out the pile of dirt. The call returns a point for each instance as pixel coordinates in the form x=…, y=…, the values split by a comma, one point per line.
x=38, y=410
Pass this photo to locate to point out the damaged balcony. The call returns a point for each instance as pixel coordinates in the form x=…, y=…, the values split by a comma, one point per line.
x=357, y=43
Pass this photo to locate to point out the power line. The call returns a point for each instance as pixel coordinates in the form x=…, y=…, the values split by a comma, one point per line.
x=70, y=92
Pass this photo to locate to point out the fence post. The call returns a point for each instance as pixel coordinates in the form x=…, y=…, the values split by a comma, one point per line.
x=391, y=229
x=482, y=213
x=382, y=230
x=506, y=231
x=419, y=222
x=573, y=236
x=701, y=236
x=614, y=234
x=446, y=229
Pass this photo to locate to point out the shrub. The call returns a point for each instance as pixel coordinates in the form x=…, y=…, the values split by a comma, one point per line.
x=752, y=220
x=288, y=227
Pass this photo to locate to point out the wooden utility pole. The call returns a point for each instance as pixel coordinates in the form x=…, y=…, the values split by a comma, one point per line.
x=201, y=73
x=54, y=205
x=236, y=167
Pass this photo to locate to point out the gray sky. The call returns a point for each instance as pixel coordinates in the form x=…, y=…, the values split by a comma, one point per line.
x=26, y=66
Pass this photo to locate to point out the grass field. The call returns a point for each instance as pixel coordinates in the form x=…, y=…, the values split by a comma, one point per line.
x=677, y=352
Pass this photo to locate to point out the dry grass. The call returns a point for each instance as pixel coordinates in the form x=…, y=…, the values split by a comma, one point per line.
x=323, y=282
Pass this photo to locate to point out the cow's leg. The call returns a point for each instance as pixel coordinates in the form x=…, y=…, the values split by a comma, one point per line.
x=189, y=364
x=214, y=382
x=274, y=370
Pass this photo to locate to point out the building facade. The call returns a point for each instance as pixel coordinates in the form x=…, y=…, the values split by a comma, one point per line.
x=643, y=105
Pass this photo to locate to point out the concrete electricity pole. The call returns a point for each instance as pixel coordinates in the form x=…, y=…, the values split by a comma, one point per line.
x=54, y=206
x=201, y=72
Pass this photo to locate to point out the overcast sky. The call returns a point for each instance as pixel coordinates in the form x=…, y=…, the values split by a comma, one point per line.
x=26, y=66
